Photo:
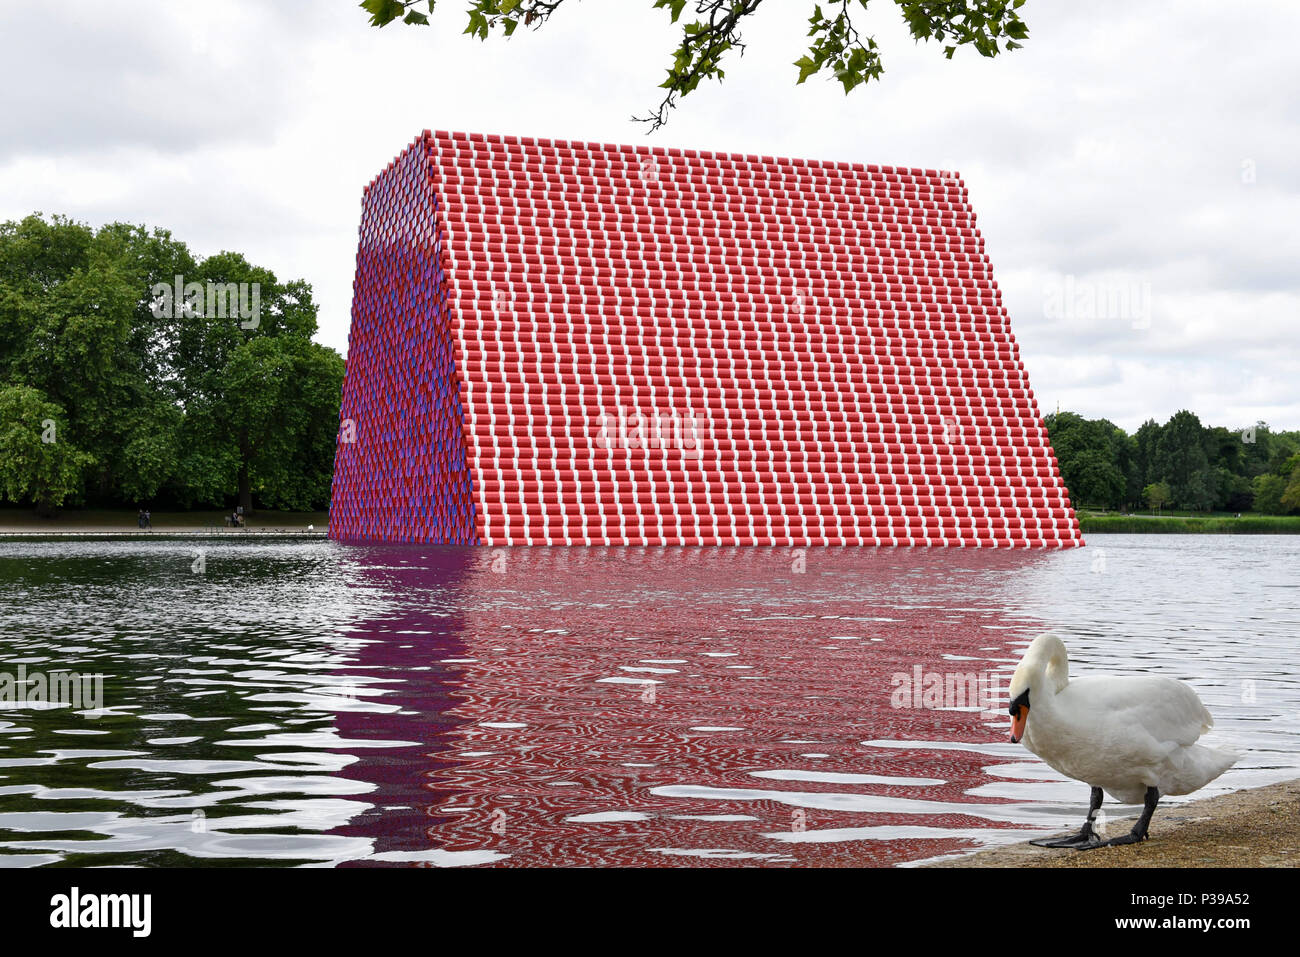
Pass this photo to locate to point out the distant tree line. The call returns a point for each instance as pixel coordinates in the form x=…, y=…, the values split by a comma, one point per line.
x=133, y=372
x=1181, y=464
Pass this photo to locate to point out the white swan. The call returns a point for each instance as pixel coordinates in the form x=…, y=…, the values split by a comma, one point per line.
x=1132, y=737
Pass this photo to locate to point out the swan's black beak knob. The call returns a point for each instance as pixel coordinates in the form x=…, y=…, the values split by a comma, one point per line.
x=1019, y=717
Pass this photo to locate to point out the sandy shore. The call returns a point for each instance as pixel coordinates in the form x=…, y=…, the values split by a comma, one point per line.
x=1255, y=828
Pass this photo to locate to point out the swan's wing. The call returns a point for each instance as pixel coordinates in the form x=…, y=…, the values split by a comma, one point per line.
x=1168, y=709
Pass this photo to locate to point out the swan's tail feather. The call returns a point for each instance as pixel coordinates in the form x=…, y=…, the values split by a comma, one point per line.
x=1195, y=767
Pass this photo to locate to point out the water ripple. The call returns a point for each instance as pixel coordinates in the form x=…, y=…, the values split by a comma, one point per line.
x=315, y=705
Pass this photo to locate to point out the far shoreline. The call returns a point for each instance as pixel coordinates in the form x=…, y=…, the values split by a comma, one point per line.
x=1134, y=524
x=24, y=523
x=18, y=524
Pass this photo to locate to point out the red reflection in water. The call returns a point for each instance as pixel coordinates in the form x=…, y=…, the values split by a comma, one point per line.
x=503, y=658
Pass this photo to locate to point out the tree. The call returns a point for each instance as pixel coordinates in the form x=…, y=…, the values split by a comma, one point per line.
x=1290, y=497
x=38, y=463
x=77, y=327
x=1157, y=495
x=313, y=407
x=1124, y=456
x=1096, y=480
x=278, y=418
x=1181, y=461
x=1282, y=448
x=1146, y=438
x=243, y=384
x=1235, y=493
x=1278, y=491
x=990, y=26
x=1095, y=457
x=1269, y=489
x=166, y=396
x=1256, y=449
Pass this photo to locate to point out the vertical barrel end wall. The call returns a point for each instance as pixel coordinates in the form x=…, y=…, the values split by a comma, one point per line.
x=400, y=473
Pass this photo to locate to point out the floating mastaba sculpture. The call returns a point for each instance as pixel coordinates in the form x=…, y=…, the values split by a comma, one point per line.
x=582, y=344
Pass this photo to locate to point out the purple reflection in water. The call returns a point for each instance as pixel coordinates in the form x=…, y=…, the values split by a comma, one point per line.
x=668, y=706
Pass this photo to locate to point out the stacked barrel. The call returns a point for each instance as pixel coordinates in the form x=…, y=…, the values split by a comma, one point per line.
x=399, y=470
x=576, y=343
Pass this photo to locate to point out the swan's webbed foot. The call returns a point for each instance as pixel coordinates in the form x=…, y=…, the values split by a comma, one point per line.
x=1086, y=837
x=1139, y=832
x=1131, y=838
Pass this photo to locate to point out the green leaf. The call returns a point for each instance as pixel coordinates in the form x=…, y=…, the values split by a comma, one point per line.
x=413, y=17
x=383, y=12
x=806, y=68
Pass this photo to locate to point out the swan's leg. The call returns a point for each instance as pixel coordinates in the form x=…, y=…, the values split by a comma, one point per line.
x=1139, y=832
x=1086, y=837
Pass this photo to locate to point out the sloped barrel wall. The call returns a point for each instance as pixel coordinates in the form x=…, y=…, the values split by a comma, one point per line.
x=574, y=343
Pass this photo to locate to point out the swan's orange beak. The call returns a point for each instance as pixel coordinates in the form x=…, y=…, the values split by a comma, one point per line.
x=1018, y=723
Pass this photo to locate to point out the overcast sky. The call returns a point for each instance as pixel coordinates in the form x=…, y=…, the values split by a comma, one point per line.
x=1135, y=169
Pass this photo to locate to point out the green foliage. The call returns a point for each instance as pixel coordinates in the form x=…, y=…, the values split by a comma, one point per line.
x=1181, y=464
x=1268, y=491
x=157, y=398
x=148, y=452
x=1092, y=455
x=1235, y=492
x=1282, y=452
x=1289, y=495
x=1290, y=498
x=835, y=47
x=1145, y=455
x=1157, y=495
x=980, y=24
x=38, y=462
x=1181, y=461
x=1098, y=479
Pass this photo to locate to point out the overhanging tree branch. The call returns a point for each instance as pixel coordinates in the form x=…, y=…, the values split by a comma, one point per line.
x=991, y=26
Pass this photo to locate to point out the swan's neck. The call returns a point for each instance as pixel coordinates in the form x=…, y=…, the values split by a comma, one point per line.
x=1051, y=678
x=1057, y=674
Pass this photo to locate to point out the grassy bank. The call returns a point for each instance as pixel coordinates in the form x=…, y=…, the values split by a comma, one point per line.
x=1093, y=524
x=111, y=520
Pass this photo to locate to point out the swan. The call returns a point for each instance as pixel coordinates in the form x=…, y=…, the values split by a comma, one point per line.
x=1132, y=737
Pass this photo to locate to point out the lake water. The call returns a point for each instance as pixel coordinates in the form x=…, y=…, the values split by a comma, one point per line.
x=315, y=704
